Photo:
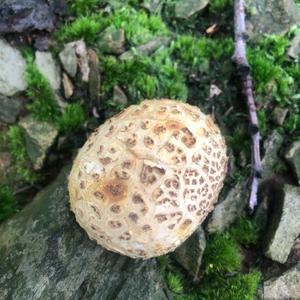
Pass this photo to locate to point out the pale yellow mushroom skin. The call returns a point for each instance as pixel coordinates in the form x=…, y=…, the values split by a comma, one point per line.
x=148, y=177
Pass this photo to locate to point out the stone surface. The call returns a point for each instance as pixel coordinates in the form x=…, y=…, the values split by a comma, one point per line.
x=186, y=8
x=284, y=223
x=68, y=86
x=112, y=40
x=147, y=48
x=82, y=59
x=286, y=286
x=294, y=49
x=293, y=157
x=45, y=255
x=68, y=59
x=119, y=97
x=39, y=137
x=9, y=109
x=271, y=17
x=189, y=254
x=226, y=212
x=24, y=15
x=12, y=69
x=279, y=115
x=153, y=6
x=271, y=159
x=94, y=78
x=49, y=68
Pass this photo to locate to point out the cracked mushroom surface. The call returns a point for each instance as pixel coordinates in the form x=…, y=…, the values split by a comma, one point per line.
x=148, y=177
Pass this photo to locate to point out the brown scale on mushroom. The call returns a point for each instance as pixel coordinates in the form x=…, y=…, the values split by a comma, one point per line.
x=153, y=174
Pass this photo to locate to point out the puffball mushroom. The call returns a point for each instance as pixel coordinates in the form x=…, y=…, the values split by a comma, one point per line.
x=147, y=178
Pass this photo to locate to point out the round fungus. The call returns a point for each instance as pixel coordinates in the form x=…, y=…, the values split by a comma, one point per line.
x=146, y=178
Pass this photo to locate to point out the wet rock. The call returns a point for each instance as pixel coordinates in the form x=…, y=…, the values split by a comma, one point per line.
x=284, y=223
x=68, y=59
x=186, y=8
x=94, y=78
x=226, y=212
x=271, y=17
x=46, y=255
x=10, y=109
x=82, y=59
x=12, y=69
x=292, y=155
x=189, y=254
x=68, y=86
x=147, y=48
x=294, y=49
x=48, y=68
x=286, y=286
x=119, y=97
x=25, y=15
x=279, y=115
x=39, y=137
x=112, y=40
x=271, y=159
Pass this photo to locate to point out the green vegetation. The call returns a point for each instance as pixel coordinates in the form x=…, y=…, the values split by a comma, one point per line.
x=216, y=6
x=154, y=76
x=43, y=105
x=72, y=119
x=84, y=27
x=16, y=145
x=8, y=203
x=222, y=277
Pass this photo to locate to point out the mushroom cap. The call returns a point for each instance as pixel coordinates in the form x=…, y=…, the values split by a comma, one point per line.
x=147, y=178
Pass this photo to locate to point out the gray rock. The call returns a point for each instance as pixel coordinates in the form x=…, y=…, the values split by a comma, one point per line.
x=226, y=212
x=68, y=59
x=186, y=8
x=189, y=254
x=112, y=40
x=68, y=86
x=279, y=115
x=10, y=109
x=284, y=223
x=286, y=286
x=12, y=70
x=48, y=68
x=293, y=157
x=23, y=15
x=271, y=17
x=46, y=255
x=271, y=159
x=153, y=6
x=39, y=137
x=82, y=59
x=94, y=78
x=294, y=49
x=147, y=48
x=119, y=97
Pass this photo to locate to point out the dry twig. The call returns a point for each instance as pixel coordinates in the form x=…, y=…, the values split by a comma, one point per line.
x=243, y=70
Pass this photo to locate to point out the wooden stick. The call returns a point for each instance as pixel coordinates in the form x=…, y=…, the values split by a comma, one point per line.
x=243, y=69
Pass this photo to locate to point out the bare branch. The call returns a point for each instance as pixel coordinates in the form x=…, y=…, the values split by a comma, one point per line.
x=240, y=59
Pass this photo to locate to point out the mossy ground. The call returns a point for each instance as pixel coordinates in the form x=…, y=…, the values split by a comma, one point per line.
x=187, y=69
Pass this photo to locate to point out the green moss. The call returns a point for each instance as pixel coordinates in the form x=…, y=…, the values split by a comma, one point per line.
x=16, y=145
x=84, y=27
x=174, y=281
x=42, y=103
x=217, y=6
x=155, y=76
x=139, y=27
x=221, y=254
x=8, y=203
x=244, y=231
x=84, y=7
x=72, y=119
